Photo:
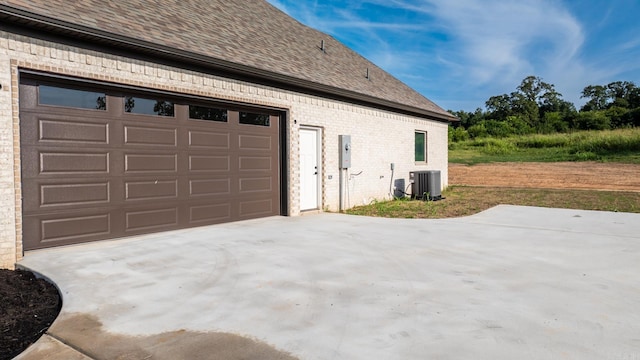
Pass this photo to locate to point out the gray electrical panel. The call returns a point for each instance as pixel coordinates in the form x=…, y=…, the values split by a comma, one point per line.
x=345, y=151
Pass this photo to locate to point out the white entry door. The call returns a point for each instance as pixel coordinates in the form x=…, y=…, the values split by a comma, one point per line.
x=309, y=169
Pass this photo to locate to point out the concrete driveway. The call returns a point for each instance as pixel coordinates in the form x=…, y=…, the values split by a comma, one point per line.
x=509, y=283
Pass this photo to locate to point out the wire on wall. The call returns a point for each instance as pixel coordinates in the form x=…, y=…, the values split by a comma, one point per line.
x=350, y=178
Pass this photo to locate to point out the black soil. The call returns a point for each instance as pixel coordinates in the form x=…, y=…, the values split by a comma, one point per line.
x=28, y=307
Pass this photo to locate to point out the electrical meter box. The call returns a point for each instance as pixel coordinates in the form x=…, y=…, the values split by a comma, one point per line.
x=345, y=151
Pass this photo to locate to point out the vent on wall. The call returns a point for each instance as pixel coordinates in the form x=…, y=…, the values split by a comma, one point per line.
x=425, y=185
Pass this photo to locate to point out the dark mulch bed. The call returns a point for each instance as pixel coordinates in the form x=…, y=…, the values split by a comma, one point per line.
x=28, y=307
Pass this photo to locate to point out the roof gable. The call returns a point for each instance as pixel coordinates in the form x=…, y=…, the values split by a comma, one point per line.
x=250, y=33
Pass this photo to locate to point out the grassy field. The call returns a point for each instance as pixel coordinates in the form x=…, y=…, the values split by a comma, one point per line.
x=463, y=201
x=615, y=146
x=621, y=146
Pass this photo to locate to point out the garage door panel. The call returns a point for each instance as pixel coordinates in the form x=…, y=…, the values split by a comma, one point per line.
x=150, y=136
x=53, y=195
x=58, y=162
x=63, y=129
x=150, y=220
x=256, y=208
x=72, y=194
x=255, y=185
x=209, y=163
x=65, y=163
x=72, y=132
x=210, y=213
x=40, y=231
x=201, y=139
x=255, y=163
x=136, y=163
x=255, y=142
x=69, y=228
x=209, y=187
x=151, y=190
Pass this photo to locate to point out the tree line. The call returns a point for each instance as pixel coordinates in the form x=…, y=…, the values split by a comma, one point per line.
x=536, y=107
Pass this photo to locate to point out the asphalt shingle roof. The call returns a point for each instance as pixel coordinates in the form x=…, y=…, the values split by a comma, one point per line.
x=251, y=33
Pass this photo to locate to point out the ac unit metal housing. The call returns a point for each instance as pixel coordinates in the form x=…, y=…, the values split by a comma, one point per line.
x=425, y=185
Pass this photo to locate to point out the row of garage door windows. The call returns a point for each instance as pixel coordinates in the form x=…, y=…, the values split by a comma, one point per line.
x=84, y=99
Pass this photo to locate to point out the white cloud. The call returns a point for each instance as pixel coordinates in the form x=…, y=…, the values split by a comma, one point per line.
x=501, y=40
x=468, y=50
x=494, y=44
x=629, y=45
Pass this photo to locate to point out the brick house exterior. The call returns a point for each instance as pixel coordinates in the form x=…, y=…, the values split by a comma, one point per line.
x=348, y=96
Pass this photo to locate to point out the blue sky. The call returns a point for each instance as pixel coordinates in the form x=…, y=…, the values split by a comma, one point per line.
x=459, y=53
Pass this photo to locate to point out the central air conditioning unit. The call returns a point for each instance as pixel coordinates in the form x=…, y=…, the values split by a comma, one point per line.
x=425, y=185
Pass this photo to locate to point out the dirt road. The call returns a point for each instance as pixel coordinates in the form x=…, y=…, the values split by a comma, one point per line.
x=563, y=175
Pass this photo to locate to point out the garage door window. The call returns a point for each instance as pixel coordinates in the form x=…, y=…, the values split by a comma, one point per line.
x=145, y=106
x=207, y=113
x=254, y=119
x=60, y=96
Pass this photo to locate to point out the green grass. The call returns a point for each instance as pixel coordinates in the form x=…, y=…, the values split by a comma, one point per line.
x=466, y=200
x=621, y=145
x=608, y=146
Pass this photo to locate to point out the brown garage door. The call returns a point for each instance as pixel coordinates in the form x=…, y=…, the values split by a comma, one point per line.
x=101, y=163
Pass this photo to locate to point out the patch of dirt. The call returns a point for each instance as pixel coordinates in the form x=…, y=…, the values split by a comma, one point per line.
x=558, y=175
x=28, y=307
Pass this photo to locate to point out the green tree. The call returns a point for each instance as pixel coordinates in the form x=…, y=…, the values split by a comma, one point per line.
x=531, y=100
x=457, y=133
x=499, y=129
x=593, y=120
x=500, y=106
x=468, y=119
x=553, y=122
x=536, y=106
x=477, y=131
x=622, y=94
x=519, y=126
x=598, y=98
x=633, y=117
x=618, y=116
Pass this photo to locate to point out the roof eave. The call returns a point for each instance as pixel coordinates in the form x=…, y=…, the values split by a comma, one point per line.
x=65, y=28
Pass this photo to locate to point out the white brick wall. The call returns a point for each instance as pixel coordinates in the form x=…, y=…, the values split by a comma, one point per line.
x=8, y=243
x=378, y=137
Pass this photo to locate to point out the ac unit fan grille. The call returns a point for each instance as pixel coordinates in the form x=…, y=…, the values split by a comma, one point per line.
x=426, y=185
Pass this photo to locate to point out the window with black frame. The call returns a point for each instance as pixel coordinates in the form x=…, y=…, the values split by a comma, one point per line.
x=69, y=97
x=197, y=112
x=250, y=118
x=147, y=106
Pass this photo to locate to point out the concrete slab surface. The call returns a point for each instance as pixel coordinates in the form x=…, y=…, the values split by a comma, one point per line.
x=48, y=348
x=508, y=283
